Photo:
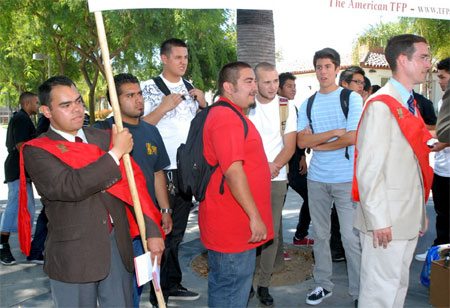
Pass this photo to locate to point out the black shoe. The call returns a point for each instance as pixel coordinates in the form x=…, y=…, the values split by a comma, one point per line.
x=264, y=297
x=338, y=257
x=183, y=294
x=36, y=260
x=252, y=293
x=317, y=295
x=6, y=258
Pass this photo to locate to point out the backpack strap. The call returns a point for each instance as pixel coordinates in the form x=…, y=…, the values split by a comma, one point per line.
x=188, y=85
x=309, y=108
x=283, y=106
x=161, y=85
x=345, y=98
x=226, y=104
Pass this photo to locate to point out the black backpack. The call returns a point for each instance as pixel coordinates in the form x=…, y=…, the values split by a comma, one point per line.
x=165, y=90
x=344, y=97
x=194, y=171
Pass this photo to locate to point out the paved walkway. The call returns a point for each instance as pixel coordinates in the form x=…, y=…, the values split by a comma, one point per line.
x=26, y=285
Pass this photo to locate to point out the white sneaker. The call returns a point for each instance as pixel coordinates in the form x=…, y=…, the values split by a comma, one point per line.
x=421, y=257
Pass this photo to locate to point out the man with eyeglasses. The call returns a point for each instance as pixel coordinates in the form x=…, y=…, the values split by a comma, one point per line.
x=392, y=176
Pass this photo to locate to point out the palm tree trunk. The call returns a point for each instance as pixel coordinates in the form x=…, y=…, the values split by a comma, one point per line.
x=255, y=36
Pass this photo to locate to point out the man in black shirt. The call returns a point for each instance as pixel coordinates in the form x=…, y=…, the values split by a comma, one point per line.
x=20, y=130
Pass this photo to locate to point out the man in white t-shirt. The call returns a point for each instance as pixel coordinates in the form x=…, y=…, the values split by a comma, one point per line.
x=172, y=115
x=279, y=141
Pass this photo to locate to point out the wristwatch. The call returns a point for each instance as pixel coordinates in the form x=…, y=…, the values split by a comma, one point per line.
x=164, y=211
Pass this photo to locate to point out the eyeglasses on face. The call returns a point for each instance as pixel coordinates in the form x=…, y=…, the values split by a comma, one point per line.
x=358, y=82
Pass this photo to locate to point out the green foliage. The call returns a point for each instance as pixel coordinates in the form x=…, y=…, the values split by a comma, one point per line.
x=436, y=31
x=66, y=32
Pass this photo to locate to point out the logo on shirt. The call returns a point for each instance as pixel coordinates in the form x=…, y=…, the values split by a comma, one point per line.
x=151, y=149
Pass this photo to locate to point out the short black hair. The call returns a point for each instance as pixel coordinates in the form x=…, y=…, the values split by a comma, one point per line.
x=24, y=97
x=230, y=73
x=375, y=88
x=46, y=88
x=367, y=84
x=347, y=75
x=119, y=80
x=166, y=46
x=327, y=53
x=401, y=45
x=283, y=77
x=444, y=65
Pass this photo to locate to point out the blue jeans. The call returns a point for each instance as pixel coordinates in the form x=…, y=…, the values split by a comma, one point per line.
x=230, y=278
x=137, y=291
x=9, y=217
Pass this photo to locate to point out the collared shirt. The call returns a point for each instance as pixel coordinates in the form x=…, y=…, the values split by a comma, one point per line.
x=80, y=133
x=404, y=93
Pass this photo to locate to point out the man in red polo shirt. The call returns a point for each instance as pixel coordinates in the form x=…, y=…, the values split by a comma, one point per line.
x=235, y=222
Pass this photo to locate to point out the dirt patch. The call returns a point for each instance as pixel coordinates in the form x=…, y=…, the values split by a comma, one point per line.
x=298, y=269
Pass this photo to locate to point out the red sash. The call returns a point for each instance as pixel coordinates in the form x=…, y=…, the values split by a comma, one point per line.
x=79, y=155
x=415, y=132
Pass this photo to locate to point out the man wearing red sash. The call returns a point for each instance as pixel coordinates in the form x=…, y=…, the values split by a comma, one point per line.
x=392, y=176
x=88, y=252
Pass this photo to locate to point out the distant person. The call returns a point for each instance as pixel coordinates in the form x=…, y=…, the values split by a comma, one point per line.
x=331, y=136
x=275, y=119
x=235, y=222
x=352, y=78
x=426, y=110
x=394, y=182
x=367, y=89
x=441, y=179
x=172, y=113
x=374, y=88
x=20, y=130
x=297, y=170
x=148, y=152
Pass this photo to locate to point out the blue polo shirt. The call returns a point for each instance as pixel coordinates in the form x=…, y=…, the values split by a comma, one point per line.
x=326, y=114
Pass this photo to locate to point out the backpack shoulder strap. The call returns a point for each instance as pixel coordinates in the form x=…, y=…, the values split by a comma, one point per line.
x=225, y=104
x=309, y=108
x=187, y=84
x=161, y=85
x=283, y=105
x=345, y=98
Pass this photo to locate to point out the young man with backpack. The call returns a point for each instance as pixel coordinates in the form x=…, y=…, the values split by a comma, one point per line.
x=275, y=119
x=236, y=220
x=171, y=112
x=323, y=127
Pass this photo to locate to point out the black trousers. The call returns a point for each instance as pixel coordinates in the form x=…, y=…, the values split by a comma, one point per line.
x=181, y=205
x=298, y=183
x=441, y=198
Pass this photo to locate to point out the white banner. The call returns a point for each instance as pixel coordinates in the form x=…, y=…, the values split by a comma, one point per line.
x=436, y=9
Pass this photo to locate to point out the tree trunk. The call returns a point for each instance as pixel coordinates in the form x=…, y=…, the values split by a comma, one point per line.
x=255, y=36
x=91, y=84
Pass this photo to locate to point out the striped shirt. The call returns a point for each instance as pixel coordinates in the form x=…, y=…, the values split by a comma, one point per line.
x=326, y=114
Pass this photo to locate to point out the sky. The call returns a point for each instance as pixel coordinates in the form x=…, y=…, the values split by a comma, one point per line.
x=298, y=36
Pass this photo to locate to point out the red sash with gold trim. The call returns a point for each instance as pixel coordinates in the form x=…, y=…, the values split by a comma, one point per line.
x=79, y=155
x=415, y=132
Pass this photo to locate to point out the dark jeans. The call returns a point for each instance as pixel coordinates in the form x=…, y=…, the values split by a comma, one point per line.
x=441, y=199
x=171, y=274
x=40, y=234
x=298, y=183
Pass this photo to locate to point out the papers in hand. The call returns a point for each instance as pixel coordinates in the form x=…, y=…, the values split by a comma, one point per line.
x=145, y=271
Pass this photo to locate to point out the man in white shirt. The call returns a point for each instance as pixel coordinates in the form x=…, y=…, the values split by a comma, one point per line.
x=279, y=140
x=172, y=115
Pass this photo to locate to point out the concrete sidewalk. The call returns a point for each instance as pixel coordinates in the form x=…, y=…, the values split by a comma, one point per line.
x=26, y=285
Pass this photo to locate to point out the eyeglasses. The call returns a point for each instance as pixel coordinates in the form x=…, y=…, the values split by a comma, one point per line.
x=358, y=82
